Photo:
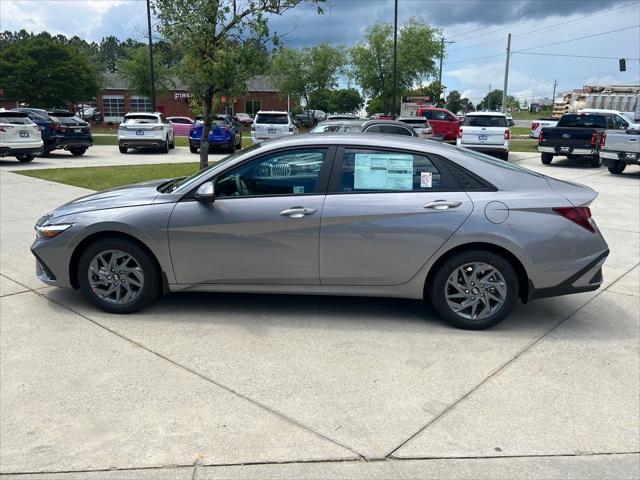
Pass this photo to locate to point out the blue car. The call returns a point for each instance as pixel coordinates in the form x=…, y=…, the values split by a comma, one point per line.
x=60, y=130
x=225, y=133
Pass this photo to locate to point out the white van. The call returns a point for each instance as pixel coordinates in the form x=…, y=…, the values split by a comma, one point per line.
x=486, y=132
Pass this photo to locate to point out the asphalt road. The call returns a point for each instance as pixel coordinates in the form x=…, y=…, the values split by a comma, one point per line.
x=296, y=387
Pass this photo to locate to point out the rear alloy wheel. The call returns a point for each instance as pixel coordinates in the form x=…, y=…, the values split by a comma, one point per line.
x=597, y=161
x=76, y=152
x=122, y=149
x=25, y=158
x=475, y=290
x=546, y=158
x=617, y=168
x=118, y=276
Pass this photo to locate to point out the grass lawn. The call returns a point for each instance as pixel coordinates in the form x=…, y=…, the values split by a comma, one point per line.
x=519, y=145
x=526, y=115
x=102, y=178
x=180, y=141
x=520, y=131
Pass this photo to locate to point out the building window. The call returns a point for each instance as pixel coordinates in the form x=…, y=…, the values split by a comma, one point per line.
x=113, y=107
x=252, y=107
x=140, y=104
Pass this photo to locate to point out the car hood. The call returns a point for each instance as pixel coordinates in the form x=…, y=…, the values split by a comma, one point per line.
x=126, y=196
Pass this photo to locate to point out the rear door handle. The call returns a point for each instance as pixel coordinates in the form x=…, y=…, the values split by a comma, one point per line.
x=442, y=205
x=297, y=212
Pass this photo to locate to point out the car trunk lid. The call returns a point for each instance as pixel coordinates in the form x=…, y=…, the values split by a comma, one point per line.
x=575, y=193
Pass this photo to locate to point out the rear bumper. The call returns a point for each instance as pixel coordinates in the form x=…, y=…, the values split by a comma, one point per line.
x=587, y=279
x=572, y=151
x=611, y=158
x=60, y=143
x=485, y=148
x=6, y=151
x=141, y=142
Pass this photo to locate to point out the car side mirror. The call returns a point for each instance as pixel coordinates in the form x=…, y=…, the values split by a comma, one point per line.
x=206, y=193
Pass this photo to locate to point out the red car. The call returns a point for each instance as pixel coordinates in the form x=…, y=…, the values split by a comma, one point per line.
x=181, y=125
x=442, y=121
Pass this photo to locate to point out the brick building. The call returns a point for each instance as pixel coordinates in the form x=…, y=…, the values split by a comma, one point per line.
x=115, y=100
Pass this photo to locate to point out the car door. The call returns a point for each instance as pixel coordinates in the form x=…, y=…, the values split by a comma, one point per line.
x=387, y=212
x=262, y=228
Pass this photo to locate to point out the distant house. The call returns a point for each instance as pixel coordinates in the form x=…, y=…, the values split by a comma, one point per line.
x=115, y=100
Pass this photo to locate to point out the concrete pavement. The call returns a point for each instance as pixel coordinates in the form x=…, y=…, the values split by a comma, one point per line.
x=200, y=385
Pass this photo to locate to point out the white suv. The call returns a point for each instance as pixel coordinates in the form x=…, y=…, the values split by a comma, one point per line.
x=146, y=130
x=271, y=124
x=485, y=131
x=19, y=136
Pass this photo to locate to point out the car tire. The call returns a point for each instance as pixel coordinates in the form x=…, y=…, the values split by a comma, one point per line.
x=164, y=147
x=597, y=161
x=572, y=156
x=503, y=291
x=25, y=158
x=504, y=156
x=232, y=147
x=193, y=149
x=617, y=168
x=123, y=149
x=45, y=153
x=76, y=152
x=239, y=146
x=172, y=145
x=141, y=269
x=546, y=158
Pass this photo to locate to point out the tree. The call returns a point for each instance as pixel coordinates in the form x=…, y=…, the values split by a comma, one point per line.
x=136, y=73
x=346, y=100
x=111, y=53
x=222, y=41
x=308, y=73
x=45, y=73
x=372, y=59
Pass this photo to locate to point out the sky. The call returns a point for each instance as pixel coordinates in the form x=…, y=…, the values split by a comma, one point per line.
x=478, y=29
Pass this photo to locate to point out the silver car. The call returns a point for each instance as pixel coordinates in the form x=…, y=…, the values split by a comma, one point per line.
x=336, y=214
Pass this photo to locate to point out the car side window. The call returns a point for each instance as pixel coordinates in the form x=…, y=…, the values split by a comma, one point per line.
x=392, y=129
x=368, y=170
x=291, y=172
x=428, y=114
x=622, y=124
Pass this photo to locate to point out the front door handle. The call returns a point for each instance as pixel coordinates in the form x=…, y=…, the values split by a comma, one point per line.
x=442, y=205
x=297, y=212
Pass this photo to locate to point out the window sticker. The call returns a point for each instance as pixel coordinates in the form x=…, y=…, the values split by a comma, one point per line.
x=298, y=189
x=426, y=179
x=383, y=171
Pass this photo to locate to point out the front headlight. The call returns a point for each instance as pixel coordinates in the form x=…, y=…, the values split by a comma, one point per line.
x=50, y=231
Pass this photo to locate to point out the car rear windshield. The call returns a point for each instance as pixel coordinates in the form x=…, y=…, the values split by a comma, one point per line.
x=485, y=121
x=220, y=122
x=140, y=119
x=415, y=122
x=584, y=121
x=273, y=118
x=67, y=119
x=15, y=119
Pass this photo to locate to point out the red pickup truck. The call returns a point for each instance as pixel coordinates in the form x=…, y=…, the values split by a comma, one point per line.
x=442, y=121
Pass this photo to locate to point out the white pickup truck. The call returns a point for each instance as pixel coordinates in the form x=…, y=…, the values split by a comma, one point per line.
x=540, y=123
x=621, y=148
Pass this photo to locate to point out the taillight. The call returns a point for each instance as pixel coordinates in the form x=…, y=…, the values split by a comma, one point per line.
x=290, y=128
x=225, y=128
x=56, y=126
x=578, y=215
x=603, y=139
x=534, y=126
x=156, y=129
x=253, y=128
x=460, y=132
x=507, y=134
x=540, y=137
x=594, y=138
x=427, y=131
x=4, y=128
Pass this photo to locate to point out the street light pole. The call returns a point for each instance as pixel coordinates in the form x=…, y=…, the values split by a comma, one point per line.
x=151, y=79
x=395, y=60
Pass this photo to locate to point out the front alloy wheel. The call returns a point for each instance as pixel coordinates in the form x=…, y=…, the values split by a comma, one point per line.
x=118, y=276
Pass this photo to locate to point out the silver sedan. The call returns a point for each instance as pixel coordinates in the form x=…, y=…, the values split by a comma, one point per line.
x=336, y=214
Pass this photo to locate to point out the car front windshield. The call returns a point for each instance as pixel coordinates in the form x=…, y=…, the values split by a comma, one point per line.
x=186, y=182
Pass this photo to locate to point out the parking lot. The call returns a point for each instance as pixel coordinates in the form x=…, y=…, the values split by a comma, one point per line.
x=255, y=386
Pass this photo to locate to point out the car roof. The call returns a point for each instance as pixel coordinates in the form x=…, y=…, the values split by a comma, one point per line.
x=481, y=114
x=149, y=114
x=598, y=110
x=344, y=121
x=404, y=119
x=385, y=122
x=279, y=112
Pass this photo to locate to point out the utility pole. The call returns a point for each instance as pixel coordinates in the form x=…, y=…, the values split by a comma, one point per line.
x=153, y=83
x=488, y=106
x=506, y=76
x=442, y=42
x=395, y=60
x=553, y=97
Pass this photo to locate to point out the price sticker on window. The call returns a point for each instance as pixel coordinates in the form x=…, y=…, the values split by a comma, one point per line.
x=426, y=179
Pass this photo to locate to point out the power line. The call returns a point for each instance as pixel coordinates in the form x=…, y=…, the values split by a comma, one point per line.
x=550, y=27
x=579, y=38
x=576, y=56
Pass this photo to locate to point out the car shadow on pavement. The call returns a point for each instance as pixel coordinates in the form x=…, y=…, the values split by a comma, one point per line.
x=306, y=311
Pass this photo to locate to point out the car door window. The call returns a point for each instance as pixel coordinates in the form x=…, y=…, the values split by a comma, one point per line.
x=392, y=129
x=290, y=172
x=365, y=170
